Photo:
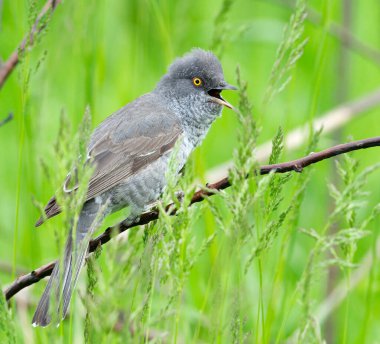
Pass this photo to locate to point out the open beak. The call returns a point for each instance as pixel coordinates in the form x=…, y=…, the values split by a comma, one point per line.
x=217, y=98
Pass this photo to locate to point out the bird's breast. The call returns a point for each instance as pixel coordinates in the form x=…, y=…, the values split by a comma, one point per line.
x=187, y=147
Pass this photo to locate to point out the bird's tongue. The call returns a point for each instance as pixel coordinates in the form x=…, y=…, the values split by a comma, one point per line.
x=217, y=98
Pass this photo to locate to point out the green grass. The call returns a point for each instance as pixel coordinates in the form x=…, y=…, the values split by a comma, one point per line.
x=252, y=264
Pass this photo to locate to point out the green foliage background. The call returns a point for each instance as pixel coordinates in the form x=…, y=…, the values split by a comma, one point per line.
x=254, y=264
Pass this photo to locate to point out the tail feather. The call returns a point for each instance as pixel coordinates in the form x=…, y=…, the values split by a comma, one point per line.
x=41, y=316
x=76, y=266
x=51, y=209
x=67, y=273
x=73, y=260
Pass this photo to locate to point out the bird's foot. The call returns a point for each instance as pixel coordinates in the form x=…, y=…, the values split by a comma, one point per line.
x=130, y=220
x=180, y=196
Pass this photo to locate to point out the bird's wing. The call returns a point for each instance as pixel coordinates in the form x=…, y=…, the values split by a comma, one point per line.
x=125, y=143
x=117, y=161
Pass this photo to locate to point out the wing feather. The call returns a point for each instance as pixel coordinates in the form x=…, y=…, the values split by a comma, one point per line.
x=125, y=143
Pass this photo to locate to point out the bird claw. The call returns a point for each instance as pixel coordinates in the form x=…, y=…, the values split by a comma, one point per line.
x=180, y=196
x=130, y=220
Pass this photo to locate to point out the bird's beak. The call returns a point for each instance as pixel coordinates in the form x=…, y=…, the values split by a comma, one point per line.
x=226, y=86
x=217, y=98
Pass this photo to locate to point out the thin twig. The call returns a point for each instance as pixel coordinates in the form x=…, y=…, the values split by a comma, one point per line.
x=6, y=119
x=9, y=65
x=339, y=32
x=8, y=268
x=295, y=165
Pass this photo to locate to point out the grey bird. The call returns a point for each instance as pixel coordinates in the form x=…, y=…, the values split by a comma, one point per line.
x=130, y=151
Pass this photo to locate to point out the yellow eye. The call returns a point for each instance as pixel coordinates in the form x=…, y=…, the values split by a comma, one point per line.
x=197, y=82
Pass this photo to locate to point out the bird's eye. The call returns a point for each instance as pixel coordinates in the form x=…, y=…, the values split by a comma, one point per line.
x=197, y=82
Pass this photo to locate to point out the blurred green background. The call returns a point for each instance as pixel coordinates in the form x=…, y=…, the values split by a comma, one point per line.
x=105, y=54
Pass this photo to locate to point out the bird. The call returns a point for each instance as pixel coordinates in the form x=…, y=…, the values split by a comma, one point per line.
x=130, y=153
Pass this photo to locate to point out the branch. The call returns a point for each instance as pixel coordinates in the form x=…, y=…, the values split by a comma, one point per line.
x=330, y=121
x=295, y=165
x=9, y=65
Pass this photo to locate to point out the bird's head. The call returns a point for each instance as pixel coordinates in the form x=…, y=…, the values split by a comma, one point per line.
x=196, y=79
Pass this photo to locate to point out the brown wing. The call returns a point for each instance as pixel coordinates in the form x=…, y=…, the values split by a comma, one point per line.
x=121, y=147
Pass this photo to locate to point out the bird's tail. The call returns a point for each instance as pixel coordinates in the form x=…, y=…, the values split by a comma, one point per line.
x=74, y=255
